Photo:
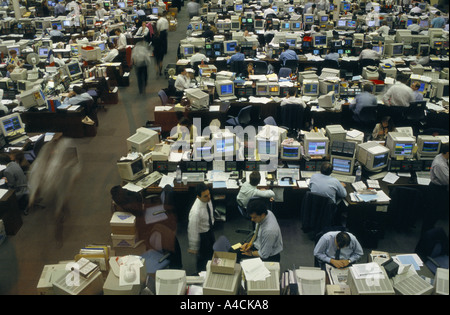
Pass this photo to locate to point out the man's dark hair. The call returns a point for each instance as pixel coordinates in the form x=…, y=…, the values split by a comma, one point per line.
x=201, y=188
x=326, y=168
x=237, y=48
x=342, y=239
x=292, y=91
x=368, y=88
x=255, y=178
x=444, y=148
x=77, y=89
x=4, y=159
x=257, y=206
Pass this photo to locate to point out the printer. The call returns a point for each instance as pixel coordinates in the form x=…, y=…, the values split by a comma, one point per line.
x=161, y=152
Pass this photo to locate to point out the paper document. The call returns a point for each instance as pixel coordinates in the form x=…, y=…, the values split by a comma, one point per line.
x=367, y=271
x=390, y=178
x=166, y=180
x=254, y=269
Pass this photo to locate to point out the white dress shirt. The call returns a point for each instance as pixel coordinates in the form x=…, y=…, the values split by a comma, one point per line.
x=162, y=24
x=182, y=82
x=198, y=222
x=121, y=41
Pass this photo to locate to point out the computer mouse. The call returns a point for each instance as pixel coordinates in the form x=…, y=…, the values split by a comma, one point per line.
x=130, y=274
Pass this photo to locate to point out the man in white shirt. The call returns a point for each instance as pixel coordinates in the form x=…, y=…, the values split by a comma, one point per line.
x=198, y=56
x=268, y=11
x=112, y=53
x=100, y=12
x=416, y=9
x=162, y=24
x=292, y=99
x=200, y=227
x=183, y=81
x=369, y=53
x=399, y=95
x=121, y=40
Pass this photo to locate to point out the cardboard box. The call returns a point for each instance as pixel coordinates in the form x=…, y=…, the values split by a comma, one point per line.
x=123, y=223
x=223, y=262
x=173, y=12
x=173, y=25
x=125, y=240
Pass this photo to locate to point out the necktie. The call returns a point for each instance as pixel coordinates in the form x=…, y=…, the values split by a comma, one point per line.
x=208, y=209
x=337, y=254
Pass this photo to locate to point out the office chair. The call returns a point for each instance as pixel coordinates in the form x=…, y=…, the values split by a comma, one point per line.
x=292, y=64
x=238, y=67
x=243, y=118
x=222, y=244
x=367, y=119
x=31, y=155
x=433, y=249
x=292, y=117
x=246, y=216
x=260, y=67
x=196, y=69
x=163, y=97
x=268, y=37
x=270, y=121
x=414, y=115
x=284, y=72
x=329, y=63
x=317, y=212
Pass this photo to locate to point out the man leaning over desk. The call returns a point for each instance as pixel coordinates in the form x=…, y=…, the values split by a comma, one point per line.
x=337, y=248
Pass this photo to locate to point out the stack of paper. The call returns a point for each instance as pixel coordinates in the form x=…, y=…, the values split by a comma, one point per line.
x=367, y=271
x=254, y=269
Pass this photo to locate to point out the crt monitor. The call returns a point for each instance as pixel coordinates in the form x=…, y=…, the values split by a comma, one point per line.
x=229, y=46
x=424, y=24
x=378, y=49
x=373, y=156
x=285, y=26
x=324, y=18
x=291, y=42
x=400, y=145
x=320, y=40
x=428, y=146
x=290, y=151
x=74, y=70
x=351, y=24
x=238, y=7
x=267, y=147
x=309, y=18
x=143, y=140
x=33, y=97
x=342, y=165
x=12, y=125
x=58, y=25
x=310, y=87
x=262, y=88
x=43, y=52
x=187, y=50
x=225, y=88
x=131, y=170
x=315, y=144
x=342, y=23
x=224, y=144
x=202, y=150
x=296, y=26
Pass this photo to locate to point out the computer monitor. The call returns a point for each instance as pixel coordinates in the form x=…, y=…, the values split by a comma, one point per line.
x=320, y=41
x=394, y=49
x=262, y=88
x=229, y=46
x=143, y=140
x=202, y=150
x=308, y=18
x=74, y=70
x=187, y=50
x=58, y=25
x=238, y=7
x=296, y=26
x=424, y=24
x=351, y=24
x=273, y=88
x=315, y=145
x=378, y=49
x=428, y=146
x=291, y=151
x=324, y=18
x=224, y=144
x=225, y=88
x=285, y=26
x=259, y=24
x=342, y=165
x=155, y=10
x=292, y=42
x=43, y=52
x=170, y=282
x=267, y=148
x=327, y=100
x=90, y=21
x=33, y=97
x=372, y=156
x=400, y=145
x=310, y=87
x=14, y=47
x=131, y=170
x=12, y=125
x=121, y=5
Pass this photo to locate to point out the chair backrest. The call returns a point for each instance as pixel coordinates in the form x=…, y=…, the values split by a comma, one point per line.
x=291, y=64
x=222, y=244
x=329, y=63
x=284, y=72
x=416, y=110
x=238, y=67
x=260, y=67
x=163, y=96
x=317, y=212
x=245, y=115
x=292, y=116
x=270, y=121
x=369, y=114
x=430, y=241
x=368, y=62
x=268, y=37
x=195, y=66
x=38, y=144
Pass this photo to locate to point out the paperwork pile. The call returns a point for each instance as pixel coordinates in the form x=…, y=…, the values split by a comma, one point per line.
x=254, y=269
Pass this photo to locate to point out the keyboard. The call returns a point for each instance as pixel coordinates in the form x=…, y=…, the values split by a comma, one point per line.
x=19, y=140
x=308, y=174
x=149, y=179
x=344, y=178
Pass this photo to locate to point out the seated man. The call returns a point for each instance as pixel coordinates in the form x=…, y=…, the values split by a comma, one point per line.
x=339, y=249
x=77, y=96
x=198, y=56
x=15, y=179
x=417, y=95
x=55, y=32
x=287, y=54
x=325, y=185
x=112, y=53
x=365, y=99
x=250, y=189
x=399, y=94
x=267, y=242
x=183, y=81
x=238, y=56
x=369, y=53
x=291, y=98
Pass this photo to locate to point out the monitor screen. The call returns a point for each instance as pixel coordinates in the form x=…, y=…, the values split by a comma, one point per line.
x=317, y=148
x=309, y=19
x=320, y=40
x=188, y=51
x=422, y=87
x=342, y=165
x=238, y=7
x=154, y=10
x=346, y=6
x=371, y=24
x=340, y=51
x=296, y=25
x=409, y=22
x=58, y=25
x=43, y=51
x=316, y=52
x=225, y=145
x=324, y=18
x=378, y=49
x=431, y=147
x=291, y=42
x=102, y=46
x=230, y=46
x=204, y=151
x=286, y=26
x=226, y=89
x=217, y=53
x=423, y=23
x=401, y=149
x=249, y=20
x=310, y=89
x=67, y=23
x=261, y=89
x=137, y=166
x=342, y=23
x=290, y=152
x=121, y=5
x=380, y=160
x=351, y=24
x=397, y=50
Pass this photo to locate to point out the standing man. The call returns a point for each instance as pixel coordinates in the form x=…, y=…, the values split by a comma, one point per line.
x=193, y=8
x=160, y=41
x=16, y=179
x=267, y=242
x=200, y=227
x=140, y=57
x=438, y=21
x=100, y=11
x=339, y=249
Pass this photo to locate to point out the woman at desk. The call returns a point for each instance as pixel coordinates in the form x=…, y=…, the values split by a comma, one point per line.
x=382, y=129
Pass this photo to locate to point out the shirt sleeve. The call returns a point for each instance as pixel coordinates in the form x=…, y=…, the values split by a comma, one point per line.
x=357, y=251
x=321, y=249
x=193, y=229
x=267, y=242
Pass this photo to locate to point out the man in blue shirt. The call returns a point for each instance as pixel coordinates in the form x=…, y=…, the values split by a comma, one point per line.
x=325, y=185
x=339, y=249
x=415, y=87
x=365, y=99
x=238, y=56
x=438, y=21
x=77, y=96
x=287, y=54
